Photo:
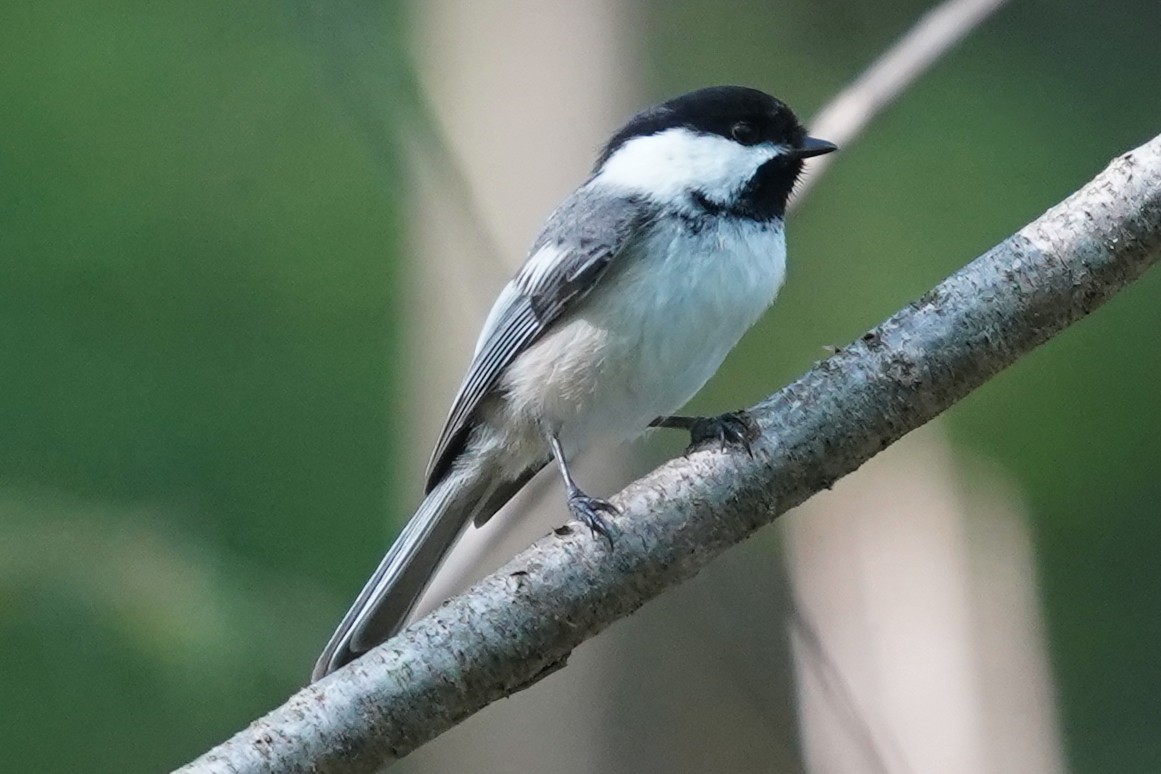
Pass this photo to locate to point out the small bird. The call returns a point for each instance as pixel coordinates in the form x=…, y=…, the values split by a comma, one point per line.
x=637, y=288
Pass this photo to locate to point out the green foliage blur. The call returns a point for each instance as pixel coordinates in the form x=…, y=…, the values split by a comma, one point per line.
x=200, y=250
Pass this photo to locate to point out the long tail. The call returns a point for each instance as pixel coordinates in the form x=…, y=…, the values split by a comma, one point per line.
x=464, y=495
x=385, y=602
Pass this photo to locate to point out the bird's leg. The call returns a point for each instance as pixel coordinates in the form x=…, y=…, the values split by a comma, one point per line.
x=584, y=508
x=734, y=428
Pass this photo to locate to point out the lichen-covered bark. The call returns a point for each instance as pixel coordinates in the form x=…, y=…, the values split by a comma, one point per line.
x=520, y=624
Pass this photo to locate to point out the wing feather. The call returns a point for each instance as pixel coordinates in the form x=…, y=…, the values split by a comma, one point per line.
x=579, y=242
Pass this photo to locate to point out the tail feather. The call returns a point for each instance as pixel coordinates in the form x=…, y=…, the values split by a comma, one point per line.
x=383, y=605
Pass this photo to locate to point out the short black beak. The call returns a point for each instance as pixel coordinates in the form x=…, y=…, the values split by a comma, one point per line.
x=812, y=146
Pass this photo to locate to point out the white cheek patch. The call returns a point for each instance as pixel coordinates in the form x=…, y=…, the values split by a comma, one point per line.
x=669, y=164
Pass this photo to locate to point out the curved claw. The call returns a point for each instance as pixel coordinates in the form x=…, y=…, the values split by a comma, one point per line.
x=734, y=428
x=588, y=510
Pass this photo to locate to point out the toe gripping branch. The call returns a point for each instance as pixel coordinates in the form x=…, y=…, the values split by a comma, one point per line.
x=584, y=508
x=734, y=429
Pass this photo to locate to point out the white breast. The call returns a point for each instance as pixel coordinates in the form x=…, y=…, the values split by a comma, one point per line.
x=652, y=333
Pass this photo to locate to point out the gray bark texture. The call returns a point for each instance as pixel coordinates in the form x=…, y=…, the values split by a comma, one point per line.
x=520, y=624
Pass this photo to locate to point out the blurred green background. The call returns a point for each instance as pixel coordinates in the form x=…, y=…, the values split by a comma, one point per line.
x=201, y=258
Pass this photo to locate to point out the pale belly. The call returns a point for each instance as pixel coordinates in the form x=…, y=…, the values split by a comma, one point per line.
x=646, y=339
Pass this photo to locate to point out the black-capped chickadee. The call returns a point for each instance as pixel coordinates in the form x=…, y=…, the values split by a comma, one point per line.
x=639, y=285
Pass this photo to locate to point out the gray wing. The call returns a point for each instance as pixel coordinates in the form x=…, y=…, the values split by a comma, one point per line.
x=579, y=242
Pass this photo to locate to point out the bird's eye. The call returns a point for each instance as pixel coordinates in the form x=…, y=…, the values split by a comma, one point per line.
x=744, y=132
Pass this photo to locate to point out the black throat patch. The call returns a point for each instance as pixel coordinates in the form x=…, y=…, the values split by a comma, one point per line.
x=762, y=198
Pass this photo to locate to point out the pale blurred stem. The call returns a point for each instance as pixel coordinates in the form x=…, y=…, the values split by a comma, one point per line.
x=520, y=623
x=847, y=116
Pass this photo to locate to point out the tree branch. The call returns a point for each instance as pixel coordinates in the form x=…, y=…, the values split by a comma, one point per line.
x=520, y=624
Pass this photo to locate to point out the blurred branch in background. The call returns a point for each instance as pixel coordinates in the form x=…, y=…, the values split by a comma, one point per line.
x=521, y=623
x=523, y=93
x=846, y=116
x=917, y=629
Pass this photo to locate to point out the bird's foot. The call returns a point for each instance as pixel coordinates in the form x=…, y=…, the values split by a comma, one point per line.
x=589, y=509
x=732, y=429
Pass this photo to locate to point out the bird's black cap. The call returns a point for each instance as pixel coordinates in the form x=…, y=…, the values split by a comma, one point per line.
x=738, y=113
